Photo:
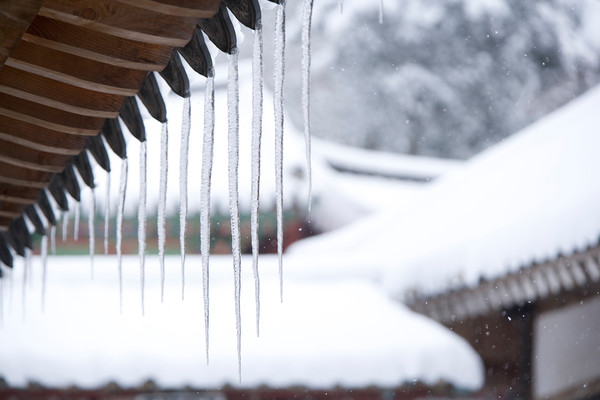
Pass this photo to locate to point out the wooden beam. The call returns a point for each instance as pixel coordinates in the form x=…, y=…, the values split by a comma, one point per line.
x=39, y=138
x=98, y=46
x=14, y=20
x=114, y=18
x=11, y=208
x=76, y=70
x=22, y=156
x=22, y=194
x=59, y=95
x=10, y=173
x=49, y=117
x=181, y=8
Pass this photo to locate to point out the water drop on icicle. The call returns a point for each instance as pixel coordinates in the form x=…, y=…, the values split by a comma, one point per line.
x=142, y=220
x=183, y=184
x=65, y=224
x=207, y=162
x=53, y=239
x=91, y=230
x=233, y=152
x=162, y=203
x=44, y=254
x=76, y=221
x=106, y=212
x=381, y=11
x=306, y=26
x=257, y=111
x=279, y=72
x=120, y=212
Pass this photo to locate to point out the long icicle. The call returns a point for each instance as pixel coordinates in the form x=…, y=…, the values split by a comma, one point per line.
x=207, y=162
x=1, y=303
x=341, y=6
x=44, y=254
x=53, y=239
x=306, y=56
x=233, y=152
x=257, y=111
x=65, y=224
x=162, y=204
x=183, y=184
x=120, y=212
x=76, y=221
x=106, y=212
x=381, y=11
x=26, y=262
x=142, y=220
x=91, y=230
x=279, y=72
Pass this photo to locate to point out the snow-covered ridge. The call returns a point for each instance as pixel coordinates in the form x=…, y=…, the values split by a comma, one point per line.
x=370, y=162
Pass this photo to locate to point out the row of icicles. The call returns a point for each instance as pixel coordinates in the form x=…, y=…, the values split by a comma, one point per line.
x=207, y=161
x=205, y=195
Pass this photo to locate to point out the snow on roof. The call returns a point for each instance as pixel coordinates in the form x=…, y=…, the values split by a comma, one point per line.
x=332, y=329
x=527, y=199
x=378, y=163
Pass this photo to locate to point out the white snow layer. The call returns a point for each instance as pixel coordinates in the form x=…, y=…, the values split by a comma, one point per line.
x=335, y=327
x=527, y=199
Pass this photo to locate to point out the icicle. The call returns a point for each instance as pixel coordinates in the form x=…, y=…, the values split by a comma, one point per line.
x=142, y=220
x=44, y=254
x=29, y=265
x=207, y=162
x=341, y=6
x=76, y=221
x=381, y=11
x=233, y=150
x=1, y=303
x=26, y=263
x=257, y=111
x=53, y=239
x=183, y=184
x=306, y=25
x=162, y=204
x=106, y=212
x=91, y=231
x=11, y=285
x=279, y=72
x=120, y=211
x=65, y=224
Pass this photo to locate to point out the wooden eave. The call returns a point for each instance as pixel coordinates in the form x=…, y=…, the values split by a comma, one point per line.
x=68, y=67
x=551, y=284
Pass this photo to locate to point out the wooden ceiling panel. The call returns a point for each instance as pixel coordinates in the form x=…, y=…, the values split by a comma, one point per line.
x=49, y=117
x=123, y=20
x=38, y=138
x=181, y=8
x=76, y=70
x=14, y=19
x=98, y=46
x=23, y=156
x=57, y=94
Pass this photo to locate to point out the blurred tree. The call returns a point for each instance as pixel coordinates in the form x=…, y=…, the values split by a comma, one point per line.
x=443, y=78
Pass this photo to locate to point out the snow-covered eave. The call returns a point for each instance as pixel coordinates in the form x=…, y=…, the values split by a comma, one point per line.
x=389, y=165
x=577, y=273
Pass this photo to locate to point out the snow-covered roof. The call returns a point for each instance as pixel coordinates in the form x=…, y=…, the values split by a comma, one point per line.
x=335, y=326
x=527, y=199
